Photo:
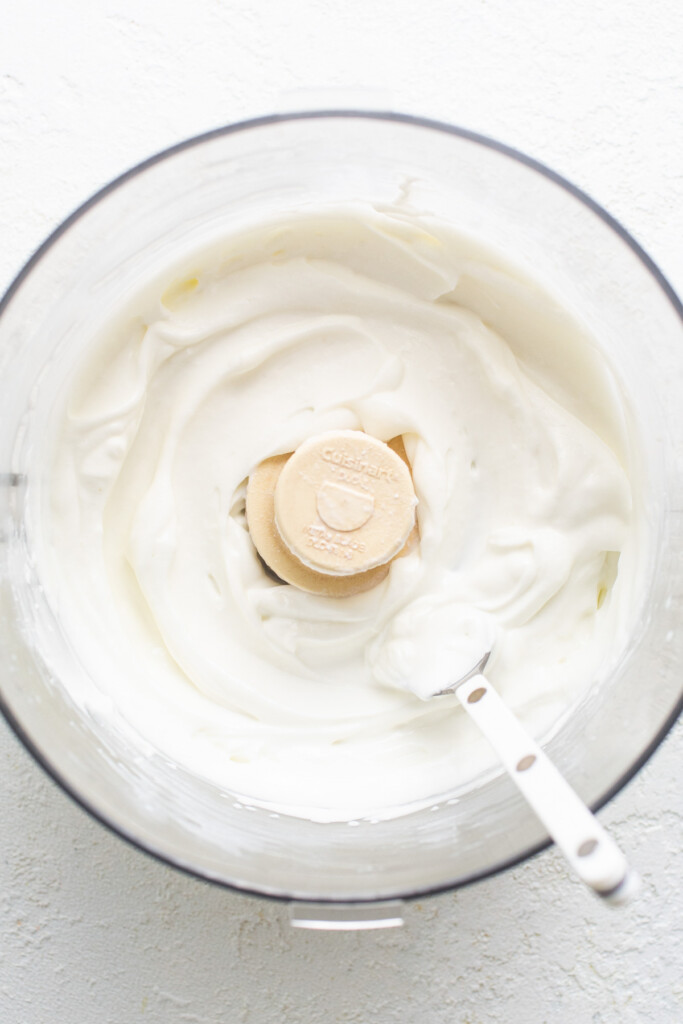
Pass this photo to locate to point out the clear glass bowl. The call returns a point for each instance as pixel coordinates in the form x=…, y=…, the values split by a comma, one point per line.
x=183, y=199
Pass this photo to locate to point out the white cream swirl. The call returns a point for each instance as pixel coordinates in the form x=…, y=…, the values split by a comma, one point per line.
x=351, y=320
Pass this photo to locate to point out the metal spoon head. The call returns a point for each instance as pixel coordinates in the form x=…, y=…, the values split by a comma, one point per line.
x=477, y=670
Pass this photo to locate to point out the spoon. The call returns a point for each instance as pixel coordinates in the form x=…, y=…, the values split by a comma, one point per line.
x=590, y=851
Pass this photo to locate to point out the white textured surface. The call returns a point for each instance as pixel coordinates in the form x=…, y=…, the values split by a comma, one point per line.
x=91, y=930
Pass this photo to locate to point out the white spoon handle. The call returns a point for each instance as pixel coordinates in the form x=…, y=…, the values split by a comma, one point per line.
x=593, y=855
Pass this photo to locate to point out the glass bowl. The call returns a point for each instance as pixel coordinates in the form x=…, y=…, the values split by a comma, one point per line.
x=183, y=199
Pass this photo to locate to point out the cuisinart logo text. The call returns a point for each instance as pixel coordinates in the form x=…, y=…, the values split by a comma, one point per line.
x=357, y=465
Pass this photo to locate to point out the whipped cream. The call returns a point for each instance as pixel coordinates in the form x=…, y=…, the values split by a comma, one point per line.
x=521, y=457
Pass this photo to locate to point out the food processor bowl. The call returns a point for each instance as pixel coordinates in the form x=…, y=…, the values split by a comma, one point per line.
x=137, y=228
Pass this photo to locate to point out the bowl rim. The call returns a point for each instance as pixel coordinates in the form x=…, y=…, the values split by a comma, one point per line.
x=261, y=122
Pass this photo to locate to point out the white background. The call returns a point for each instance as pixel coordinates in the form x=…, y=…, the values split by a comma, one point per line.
x=93, y=932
